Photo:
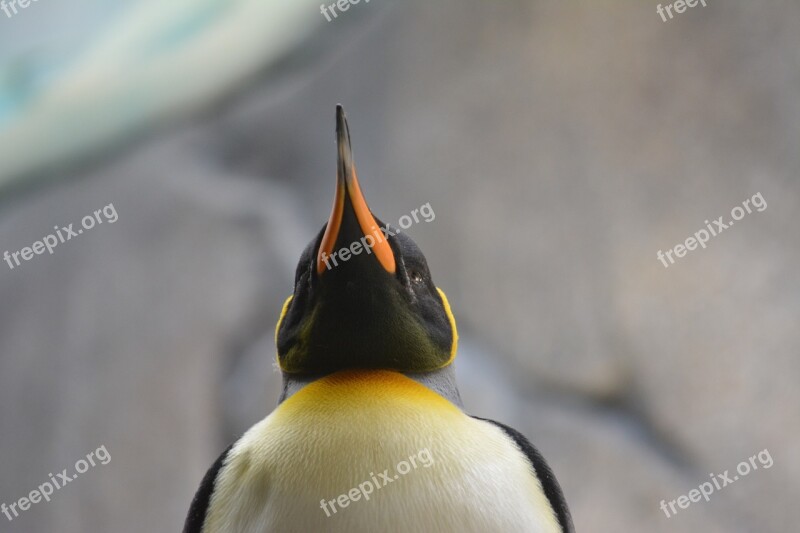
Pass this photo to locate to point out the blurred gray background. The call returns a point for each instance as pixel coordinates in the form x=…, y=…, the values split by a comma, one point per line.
x=561, y=144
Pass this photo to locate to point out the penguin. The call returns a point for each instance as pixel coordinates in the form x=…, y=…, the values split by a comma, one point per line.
x=370, y=433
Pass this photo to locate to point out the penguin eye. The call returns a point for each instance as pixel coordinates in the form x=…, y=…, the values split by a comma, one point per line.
x=415, y=276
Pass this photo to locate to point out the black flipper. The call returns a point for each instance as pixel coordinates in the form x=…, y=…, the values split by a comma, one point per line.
x=202, y=498
x=549, y=483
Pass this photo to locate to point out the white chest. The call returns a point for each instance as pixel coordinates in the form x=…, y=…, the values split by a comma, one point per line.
x=391, y=462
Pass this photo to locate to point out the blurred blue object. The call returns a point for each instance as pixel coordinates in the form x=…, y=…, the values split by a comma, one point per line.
x=77, y=77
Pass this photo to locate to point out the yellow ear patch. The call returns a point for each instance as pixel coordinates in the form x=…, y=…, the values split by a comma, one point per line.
x=278, y=326
x=452, y=319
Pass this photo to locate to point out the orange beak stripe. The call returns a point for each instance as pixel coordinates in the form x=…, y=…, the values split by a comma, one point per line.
x=347, y=183
x=332, y=230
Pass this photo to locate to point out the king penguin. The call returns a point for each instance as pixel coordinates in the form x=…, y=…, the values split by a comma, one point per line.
x=370, y=434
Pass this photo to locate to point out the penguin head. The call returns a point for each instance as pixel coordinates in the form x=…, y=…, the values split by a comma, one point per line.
x=363, y=294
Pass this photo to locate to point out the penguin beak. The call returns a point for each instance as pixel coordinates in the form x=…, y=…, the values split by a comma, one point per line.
x=348, y=202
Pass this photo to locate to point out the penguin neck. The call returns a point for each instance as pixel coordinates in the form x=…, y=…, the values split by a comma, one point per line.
x=441, y=381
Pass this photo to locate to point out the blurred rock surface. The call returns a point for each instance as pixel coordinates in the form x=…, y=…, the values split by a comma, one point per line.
x=561, y=146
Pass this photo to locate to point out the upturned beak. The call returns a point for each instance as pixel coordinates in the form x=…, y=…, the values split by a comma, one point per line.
x=348, y=197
